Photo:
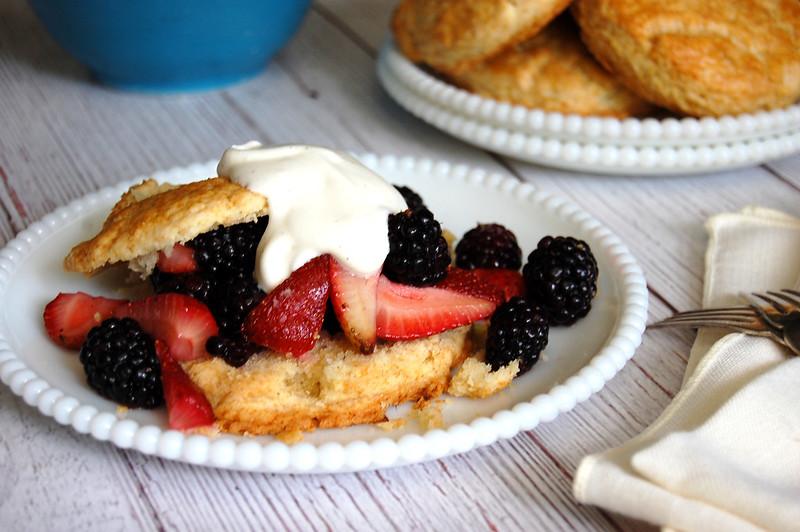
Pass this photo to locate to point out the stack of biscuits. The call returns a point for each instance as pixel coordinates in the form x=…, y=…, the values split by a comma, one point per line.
x=618, y=58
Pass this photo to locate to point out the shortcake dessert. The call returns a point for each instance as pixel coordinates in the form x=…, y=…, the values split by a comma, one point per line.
x=299, y=290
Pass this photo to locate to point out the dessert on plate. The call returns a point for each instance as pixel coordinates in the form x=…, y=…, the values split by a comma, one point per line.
x=299, y=290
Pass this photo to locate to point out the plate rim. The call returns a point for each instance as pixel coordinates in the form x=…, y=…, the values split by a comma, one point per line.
x=230, y=452
x=672, y=131
x=596, y=158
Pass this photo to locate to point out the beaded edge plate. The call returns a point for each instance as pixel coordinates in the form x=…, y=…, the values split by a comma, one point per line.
x=595, y=129
x=610, y=152
x=577, y=363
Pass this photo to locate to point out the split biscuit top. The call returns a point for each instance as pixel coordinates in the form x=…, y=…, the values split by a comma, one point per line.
x=151, y=217
x=553, y=72
x=452, y=35
x=699, y=57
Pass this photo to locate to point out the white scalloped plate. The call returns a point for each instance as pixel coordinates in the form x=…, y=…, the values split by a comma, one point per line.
x=595, y=158
x=597, y=130
x=577, y=362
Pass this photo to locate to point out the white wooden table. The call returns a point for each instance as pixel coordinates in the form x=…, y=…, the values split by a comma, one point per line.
x=62, y=136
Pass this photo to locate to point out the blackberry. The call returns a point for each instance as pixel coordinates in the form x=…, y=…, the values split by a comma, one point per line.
x=418, y=253
x=488, y=246
x=413, y=200
x=229, y=250
x=231, y=300
x=234, y=351
x=561, y=276
x=191, y=284
x=517, y=330
x=120, y=362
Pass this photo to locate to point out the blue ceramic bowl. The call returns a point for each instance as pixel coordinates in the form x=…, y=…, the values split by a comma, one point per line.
x=166, y=45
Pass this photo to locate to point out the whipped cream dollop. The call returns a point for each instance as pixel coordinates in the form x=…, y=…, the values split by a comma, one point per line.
x=320, y=201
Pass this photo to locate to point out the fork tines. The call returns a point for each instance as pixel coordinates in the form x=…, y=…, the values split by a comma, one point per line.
x=777, y=299
x=738, y=318
x=762, y=315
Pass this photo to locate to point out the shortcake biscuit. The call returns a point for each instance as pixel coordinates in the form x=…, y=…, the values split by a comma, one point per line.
x=333, y=385
x=553, y=72
x=452, y=35
x=151, y=217
x=699, y=57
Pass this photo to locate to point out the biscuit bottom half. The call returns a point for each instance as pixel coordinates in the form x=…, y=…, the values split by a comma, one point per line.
x=331, y=386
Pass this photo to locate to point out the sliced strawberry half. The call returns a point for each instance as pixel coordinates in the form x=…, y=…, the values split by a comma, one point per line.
x=178, y=260
x=69, y=317
x=509, y=281
x=289, y=319
x=355, y=300
x=181, y=322
x=187, y=407
x=407, y=312
x=495, y=284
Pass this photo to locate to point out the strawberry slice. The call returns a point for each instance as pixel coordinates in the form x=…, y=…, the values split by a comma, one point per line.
x=187, y=407
x=69, y=317
x=289, y=319
x=179, y=260
x=355, y=299
x=495, y=284
x=407, y=312
x=510, y=281
x=180, y=321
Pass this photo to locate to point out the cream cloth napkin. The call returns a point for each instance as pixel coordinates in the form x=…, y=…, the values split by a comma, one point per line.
x=725, y=454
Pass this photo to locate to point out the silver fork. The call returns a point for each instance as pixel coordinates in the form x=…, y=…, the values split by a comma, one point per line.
x=773, y=314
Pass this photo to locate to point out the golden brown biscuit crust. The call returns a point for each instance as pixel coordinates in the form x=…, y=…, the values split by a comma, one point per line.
x=699, y=57
x=553, y=72
x=332, y=386
x=451, y=35
x=151, y=217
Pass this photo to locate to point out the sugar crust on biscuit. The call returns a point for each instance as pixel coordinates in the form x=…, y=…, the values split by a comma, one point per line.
x=554, y=72
x=452, y=35
x=699, y=57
